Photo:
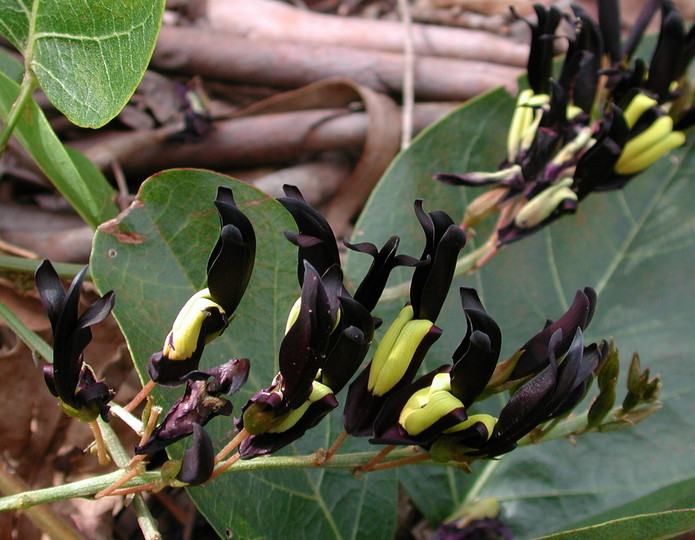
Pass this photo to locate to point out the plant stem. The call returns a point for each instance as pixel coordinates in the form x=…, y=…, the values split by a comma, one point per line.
x=146, y=521
x=29, y=84
x=43, y=517
x=81, y=488
x=480, y=482
x=21, y=264
x=91, y=486
x=31, y=338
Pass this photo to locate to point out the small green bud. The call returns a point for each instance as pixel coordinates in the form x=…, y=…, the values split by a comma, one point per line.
x=487, y=204
x=170, y=469
x=607, y=383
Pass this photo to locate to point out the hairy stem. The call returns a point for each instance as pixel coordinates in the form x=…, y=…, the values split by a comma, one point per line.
x=91, y=486
x=43, y=517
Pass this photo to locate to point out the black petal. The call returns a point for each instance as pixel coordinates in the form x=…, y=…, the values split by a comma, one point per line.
x=198, y=461
x=231, y=261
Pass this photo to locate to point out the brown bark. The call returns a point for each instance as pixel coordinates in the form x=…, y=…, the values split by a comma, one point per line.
x=289, y=65
x=270, y=139
x=268, y=20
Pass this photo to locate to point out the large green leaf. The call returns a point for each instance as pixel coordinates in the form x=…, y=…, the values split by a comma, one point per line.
x=653, y=526
x=79, y=181
x=89, y=55
x=635, y=246
x=678, y=496
x=154, y=256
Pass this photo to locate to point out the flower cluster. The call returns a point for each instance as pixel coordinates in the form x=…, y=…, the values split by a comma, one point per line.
x=604, y=119
x=548, y=376
x=328, y=335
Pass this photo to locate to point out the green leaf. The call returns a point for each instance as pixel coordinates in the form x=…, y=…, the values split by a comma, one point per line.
x=677, y=496
x=88, y=55
x=653, y=526
x=635, y=246
x=154, y=257
x=84, y=187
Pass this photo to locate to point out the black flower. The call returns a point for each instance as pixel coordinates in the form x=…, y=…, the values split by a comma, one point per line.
x=296, y=399
x=68, y=378
x=201, y=402
x=208, y=312
x=432, y=412
x=558, y=149
x=403, y=347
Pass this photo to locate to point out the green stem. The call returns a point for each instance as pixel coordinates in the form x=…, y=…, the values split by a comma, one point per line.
x=31, y=338
x=43, y=516
x=480, y=482
x=464, y=265
x=90, y=486
x=146, y=521
x=29, y=84
x=20, y=264
x=81, y=488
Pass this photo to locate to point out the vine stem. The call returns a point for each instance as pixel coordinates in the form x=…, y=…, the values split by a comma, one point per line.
x=29, y=84
x=89, y=487
x=146, y=521
x=44, y=517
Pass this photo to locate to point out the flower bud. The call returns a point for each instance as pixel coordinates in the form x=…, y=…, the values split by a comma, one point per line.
x=485, y=205
x=429, y=405
x=644, y=149
x=185, y=334
x=396, y=351
x=540, y=208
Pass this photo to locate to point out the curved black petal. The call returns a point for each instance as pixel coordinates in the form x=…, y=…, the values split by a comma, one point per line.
x=351, y=345
x=430, y=283
x=50, y=290
x=664, y=65
x=476, y=357
x=198, y=461
x=231, y=261
x=385, y=260
x=536, y=349
x=304, y=346
x=322, y=251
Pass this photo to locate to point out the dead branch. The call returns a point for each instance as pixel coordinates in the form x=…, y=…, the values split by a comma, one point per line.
x=291, y=65
x=267, y=20
x=270, y=139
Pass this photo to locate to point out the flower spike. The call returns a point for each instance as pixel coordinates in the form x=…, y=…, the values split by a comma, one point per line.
x=585, y=132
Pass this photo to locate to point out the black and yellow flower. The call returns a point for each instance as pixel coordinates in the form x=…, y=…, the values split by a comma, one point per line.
x=208, y=312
